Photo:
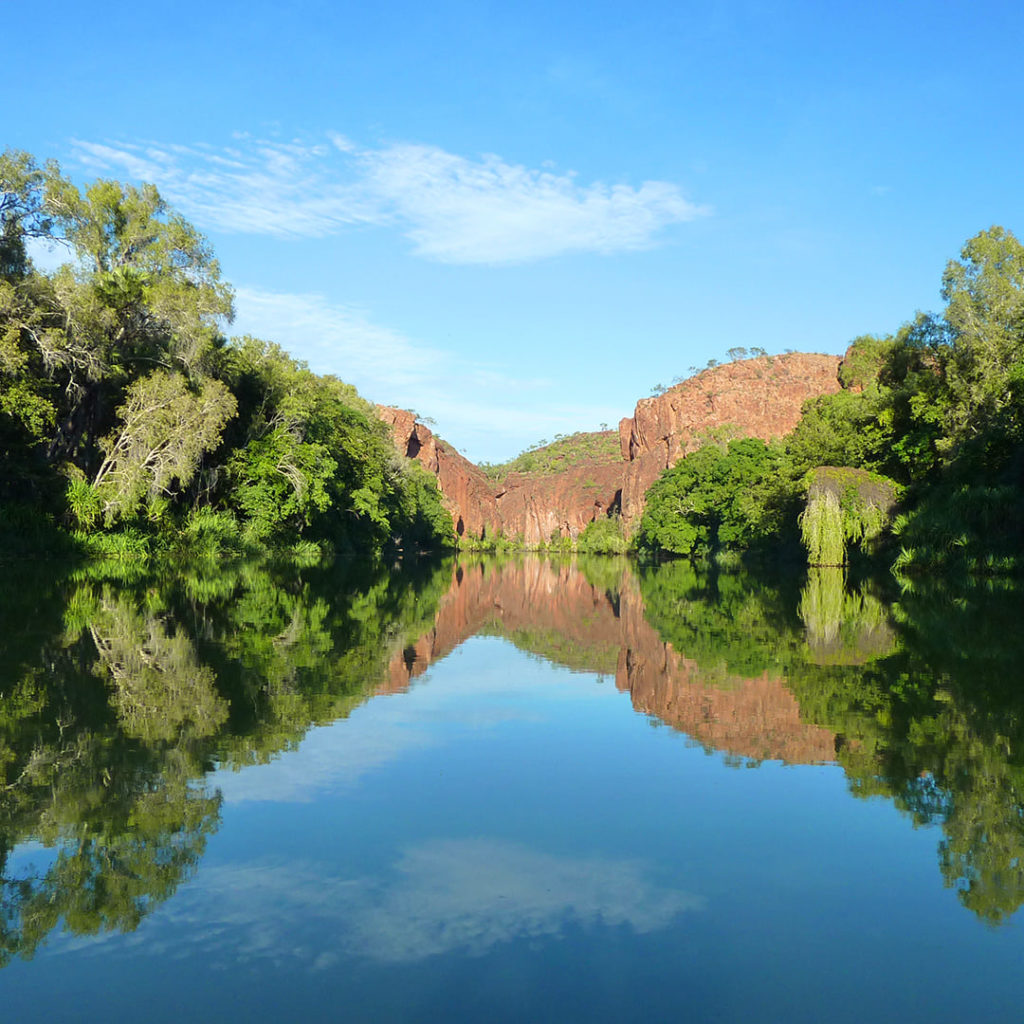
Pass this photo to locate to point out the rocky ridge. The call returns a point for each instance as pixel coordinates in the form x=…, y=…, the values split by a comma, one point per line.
x=760, y=397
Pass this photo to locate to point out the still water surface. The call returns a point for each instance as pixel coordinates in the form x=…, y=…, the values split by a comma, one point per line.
x=510, y=791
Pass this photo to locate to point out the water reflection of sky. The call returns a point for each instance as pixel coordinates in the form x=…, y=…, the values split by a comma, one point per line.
x=30, y=858
x=516, y=830
x=392, y=726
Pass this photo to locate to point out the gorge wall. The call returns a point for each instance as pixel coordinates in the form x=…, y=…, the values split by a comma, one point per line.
x=760, y=397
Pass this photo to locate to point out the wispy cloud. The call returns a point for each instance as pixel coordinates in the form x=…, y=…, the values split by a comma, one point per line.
x=452, y=208
x=337, y=339
x=474, y=894
x=389, y=367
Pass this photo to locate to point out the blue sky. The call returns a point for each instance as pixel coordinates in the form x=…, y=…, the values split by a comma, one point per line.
x=518, y=218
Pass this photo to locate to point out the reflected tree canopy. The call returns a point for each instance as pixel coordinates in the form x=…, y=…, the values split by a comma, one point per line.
x=922, y=694
x=117, y=701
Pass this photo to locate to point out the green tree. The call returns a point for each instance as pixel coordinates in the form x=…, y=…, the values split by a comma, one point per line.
x=720, y=496
x=983, y=324
x=165, y=429
x=141, y=291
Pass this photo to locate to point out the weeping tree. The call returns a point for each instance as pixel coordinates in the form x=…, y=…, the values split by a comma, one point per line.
x=844, y=506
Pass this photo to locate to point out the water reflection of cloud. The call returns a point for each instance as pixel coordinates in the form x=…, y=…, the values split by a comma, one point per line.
x=442, y=896
x=473, y=894
x=335, y=755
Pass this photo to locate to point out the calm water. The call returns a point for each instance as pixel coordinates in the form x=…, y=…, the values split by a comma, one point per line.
x=522, y=791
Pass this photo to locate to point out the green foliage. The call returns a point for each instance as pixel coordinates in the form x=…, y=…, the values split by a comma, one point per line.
x=559, y=543
x=165, y=429
x=122, y=406
x=964, y=529
x=844, y=506
x=940, y=407
x=732, y=495
x=864, y=361
x=822, y=531
x=983, y=354
x=603, y=536
x=840, y=430
x=278, y=479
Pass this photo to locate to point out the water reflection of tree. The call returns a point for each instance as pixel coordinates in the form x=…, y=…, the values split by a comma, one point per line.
x=116, y=702
x=921, y=694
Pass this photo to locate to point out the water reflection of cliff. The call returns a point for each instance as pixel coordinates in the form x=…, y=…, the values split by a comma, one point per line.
x=554, y=610
x=116, y=701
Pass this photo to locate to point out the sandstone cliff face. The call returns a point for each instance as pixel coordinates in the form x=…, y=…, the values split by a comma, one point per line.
x=527, y=505
x=755, y=397
x=758, y=397
x=556, y=612
x=467, y=492
x=537, y=507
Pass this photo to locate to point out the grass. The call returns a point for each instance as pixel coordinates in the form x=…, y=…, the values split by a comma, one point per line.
x=584, y=448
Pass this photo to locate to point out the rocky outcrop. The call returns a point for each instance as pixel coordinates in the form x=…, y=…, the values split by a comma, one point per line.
x=467, y=492
x=554, y=611
x=759, y=397
x=846, y=482
x=527, y=506
x=537, y=507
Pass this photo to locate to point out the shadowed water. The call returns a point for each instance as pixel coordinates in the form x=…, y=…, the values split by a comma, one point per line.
x=436, y=793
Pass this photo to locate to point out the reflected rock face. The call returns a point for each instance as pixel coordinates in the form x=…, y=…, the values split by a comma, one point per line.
x=759, y=397
x=553, y=610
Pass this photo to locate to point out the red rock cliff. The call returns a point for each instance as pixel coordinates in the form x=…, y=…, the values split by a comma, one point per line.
x=528, y=505
x=758, y=397
x=467, y=492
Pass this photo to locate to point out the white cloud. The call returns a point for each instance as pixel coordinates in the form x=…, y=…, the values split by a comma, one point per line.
x=488, y=211
x=336, y=339
x=474, y=894
x=452, y=208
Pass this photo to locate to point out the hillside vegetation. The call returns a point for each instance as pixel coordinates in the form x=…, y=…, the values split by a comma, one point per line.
x=584, y=448
x=933, y=414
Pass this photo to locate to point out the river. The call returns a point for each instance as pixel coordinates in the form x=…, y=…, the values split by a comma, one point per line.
x=521, y=790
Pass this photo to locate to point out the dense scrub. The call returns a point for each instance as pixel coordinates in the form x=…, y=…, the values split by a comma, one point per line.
x=584, y=448
x=126, y=410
